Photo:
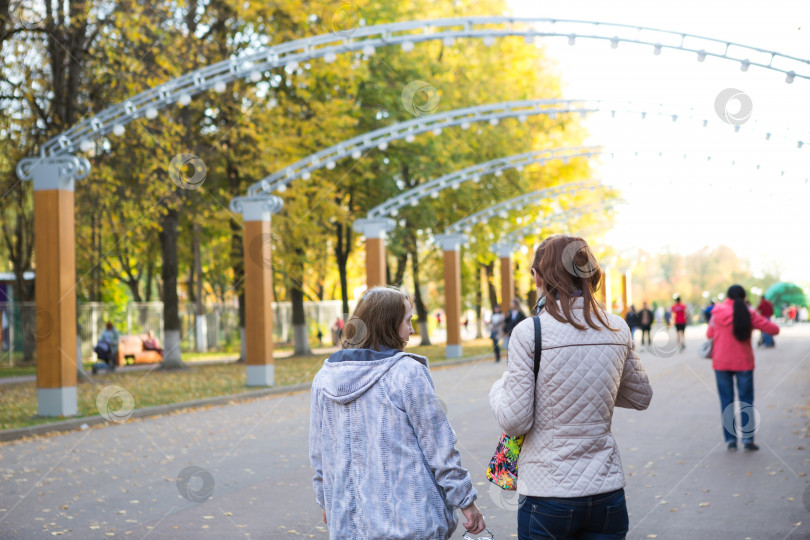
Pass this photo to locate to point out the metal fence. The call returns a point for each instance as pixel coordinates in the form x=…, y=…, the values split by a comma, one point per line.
x=21, y=328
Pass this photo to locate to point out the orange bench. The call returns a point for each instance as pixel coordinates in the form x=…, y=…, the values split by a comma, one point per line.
x=131, y=348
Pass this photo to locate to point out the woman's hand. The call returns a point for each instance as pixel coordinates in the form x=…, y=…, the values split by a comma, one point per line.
x=475, y=520
x=324, y=516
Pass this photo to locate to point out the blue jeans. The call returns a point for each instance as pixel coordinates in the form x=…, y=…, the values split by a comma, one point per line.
x=595, y=517
x=745, y=394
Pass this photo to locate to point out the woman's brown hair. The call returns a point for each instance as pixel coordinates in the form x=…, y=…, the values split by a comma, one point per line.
x=376, y=320
x=567, y=266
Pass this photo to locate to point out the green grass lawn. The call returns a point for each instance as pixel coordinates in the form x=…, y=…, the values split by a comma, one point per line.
x=18, y=402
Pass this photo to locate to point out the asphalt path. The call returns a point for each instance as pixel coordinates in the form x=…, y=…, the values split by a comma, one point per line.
x=242, y=470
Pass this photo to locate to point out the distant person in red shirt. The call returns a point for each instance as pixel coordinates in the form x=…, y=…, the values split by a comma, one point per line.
x=765, y=309
x=679, y=312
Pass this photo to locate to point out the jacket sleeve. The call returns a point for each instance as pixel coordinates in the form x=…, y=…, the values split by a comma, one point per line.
x=710, y=330
x=435, y=436
x=635, y=391
x=512, y=396
x=761, y=323
x=315, y=446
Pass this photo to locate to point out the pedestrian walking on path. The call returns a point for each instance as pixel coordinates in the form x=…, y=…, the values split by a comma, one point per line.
x=511, y=320
x=570, y=474
x=679, y=312
x=381, y=446
x=632, y=321
x=733, y=359
x=645, y=320
x=765, y=308
x=496, y=331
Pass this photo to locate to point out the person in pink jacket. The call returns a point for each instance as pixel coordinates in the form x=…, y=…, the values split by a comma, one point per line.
x=730, y=329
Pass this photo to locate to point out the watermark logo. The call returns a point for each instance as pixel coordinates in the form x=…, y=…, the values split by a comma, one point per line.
x=179, y=169
x=354, y=333
x=420, y=98
x=38, y=327
x=733, y=106
x=664, y=344
x=578, y=260
x=115, y=404
x=342, y=20
x=744, y=425
x=260, y=250
x=195, y=484
x=503, y=499
x=24, y=14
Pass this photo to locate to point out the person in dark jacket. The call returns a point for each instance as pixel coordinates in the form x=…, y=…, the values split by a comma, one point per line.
x=765, y=309
x=632, y=321
x=645, y=321
x=513, y=317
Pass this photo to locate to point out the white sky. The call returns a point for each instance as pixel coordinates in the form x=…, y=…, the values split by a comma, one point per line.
x=686, y=204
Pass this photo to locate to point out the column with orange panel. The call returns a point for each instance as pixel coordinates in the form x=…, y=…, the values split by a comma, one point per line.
x=451, y=246
x=375, y=231
x=504, y=253
x=257, y=240
x=55, y=279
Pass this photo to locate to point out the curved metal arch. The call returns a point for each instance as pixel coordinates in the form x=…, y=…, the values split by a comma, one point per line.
x=474, y=173
x=367, y=39
x=511, y=240
x=380, y=138
x=465, y=224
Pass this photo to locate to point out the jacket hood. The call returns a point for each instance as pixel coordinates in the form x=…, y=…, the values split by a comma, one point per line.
x=723, y=313
x=349, y=373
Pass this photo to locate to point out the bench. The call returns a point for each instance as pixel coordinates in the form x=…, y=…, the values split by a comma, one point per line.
x=131, y=351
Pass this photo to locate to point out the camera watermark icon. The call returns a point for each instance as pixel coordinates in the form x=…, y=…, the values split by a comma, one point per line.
x=260, y=250
x=195, y=484
x=745, y=424
x=342, y=21
x=354, y=333
x=24, y=15
x=115, y=403
x=504, y=499
x=727, y=112
x=38, y=327
x=178, y=168
x=578, y=260
x=664, y=344
x=420, y=98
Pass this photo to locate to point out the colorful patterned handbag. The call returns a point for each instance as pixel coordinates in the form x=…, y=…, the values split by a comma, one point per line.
x=503, y=467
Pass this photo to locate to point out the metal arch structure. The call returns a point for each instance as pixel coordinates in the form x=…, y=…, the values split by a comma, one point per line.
x=492, y=113
x=512, y=239
x=475, y=173
x=368, y=39
x=465, y=224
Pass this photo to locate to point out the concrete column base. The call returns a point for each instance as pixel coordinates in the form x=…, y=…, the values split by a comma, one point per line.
x=57, y=401
x=452, y=351
x=263, y=375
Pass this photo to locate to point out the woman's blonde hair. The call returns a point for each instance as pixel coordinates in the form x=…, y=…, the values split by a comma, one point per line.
x=376, y=320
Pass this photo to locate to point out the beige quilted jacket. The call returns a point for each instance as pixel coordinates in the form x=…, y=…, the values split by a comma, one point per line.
x=569, y=450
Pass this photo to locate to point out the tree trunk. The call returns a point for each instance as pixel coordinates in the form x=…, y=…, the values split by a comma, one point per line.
x=299, y=320
x=399, y=275
x=200, y=322
x=479, y=299
x=421, y=310
x=171, y=318
x=342, y=249
x=150, y=269
x=493, y=293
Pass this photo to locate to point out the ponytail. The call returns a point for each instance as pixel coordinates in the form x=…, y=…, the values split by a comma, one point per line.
x=742, y=317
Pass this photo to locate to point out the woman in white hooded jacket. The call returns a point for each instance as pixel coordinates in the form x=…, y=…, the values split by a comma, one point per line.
x=570, y=476
x=381, y=446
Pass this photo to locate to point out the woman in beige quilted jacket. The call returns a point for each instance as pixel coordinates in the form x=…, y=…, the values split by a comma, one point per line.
x=570, y=476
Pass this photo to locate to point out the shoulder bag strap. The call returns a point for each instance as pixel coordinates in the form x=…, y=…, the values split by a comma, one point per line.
x=538, y=345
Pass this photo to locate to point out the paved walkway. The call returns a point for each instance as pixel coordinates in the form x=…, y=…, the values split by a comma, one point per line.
x=121, y=479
